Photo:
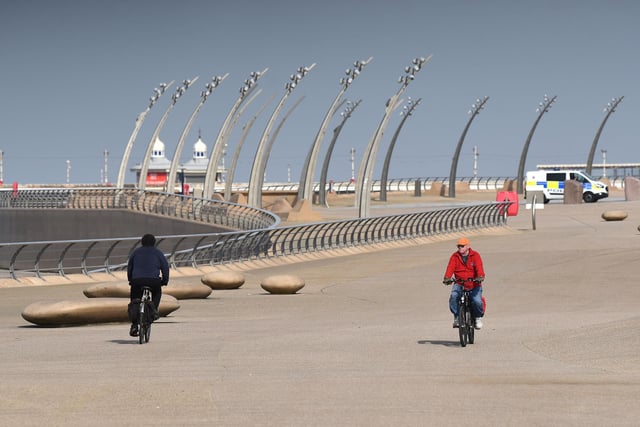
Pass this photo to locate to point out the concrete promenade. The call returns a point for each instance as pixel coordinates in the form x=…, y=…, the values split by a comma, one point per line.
x=367, y=342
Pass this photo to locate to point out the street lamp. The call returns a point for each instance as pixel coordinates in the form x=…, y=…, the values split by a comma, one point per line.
x=204, y=95
x=368, y=159
x=543, y=107
x=225, y=131
x=236, y=154
x=327, y=158
x=267, y=151
x=609, y=109
x=142, y=180
x=255, y=181
x=308, y=169
x=475, y=110
x=405, y=113
x=157, y=93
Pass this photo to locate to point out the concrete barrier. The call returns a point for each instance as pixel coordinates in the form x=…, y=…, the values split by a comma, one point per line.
x=87, y=311
x=282, y=284
x=223, y=279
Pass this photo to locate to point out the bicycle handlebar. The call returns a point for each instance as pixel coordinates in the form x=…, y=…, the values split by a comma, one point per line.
x=462, y=281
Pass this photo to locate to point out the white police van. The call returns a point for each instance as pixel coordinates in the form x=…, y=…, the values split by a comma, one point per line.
x=551, y=184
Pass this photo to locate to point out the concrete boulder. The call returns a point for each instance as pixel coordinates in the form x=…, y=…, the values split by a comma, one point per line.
x=187, y=290
x=223, y=279
x=107, y=290
x=614, y=215
x=121, y=290
x=87, y=311
x=282, y=284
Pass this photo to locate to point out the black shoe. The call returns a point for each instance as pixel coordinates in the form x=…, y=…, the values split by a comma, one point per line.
x=133, y=331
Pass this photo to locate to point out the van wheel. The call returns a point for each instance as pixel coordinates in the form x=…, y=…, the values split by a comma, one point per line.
x=546, y=200
x=589, y=198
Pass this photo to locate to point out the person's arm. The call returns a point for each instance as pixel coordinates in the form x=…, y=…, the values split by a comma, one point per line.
x=479, y=268
x=165, y=269
x=450, y=270
x=129, y=268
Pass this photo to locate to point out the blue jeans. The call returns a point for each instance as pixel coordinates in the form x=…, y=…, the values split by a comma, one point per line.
x=476, y=300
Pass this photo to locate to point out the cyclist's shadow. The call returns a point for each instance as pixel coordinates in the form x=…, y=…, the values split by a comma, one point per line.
x=445, y=343
x=132, y=340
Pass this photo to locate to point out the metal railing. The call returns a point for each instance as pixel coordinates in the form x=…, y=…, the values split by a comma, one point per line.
x=28, y=259
x=214, y=212
x=399, y=184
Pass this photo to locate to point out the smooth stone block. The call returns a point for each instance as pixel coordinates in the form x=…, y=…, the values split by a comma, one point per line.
x=107, y=290
x=187, y=290
x=282, y=284
x=223, y=279
x=614, y=215
x=121, y=290
x=88, y=311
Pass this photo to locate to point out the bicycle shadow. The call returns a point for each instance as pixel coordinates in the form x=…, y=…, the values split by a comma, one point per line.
x=445, y=343
x=132, y=340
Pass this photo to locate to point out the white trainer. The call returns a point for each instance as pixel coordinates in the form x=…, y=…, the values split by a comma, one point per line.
x=478, y=324
x=456, y=323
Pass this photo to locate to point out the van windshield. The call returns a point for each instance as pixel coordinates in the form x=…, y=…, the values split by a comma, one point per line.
x=586, y=175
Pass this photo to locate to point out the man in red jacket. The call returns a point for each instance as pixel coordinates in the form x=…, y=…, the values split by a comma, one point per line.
x=465, y=265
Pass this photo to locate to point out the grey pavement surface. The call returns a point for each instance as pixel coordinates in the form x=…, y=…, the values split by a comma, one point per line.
x=367, y=342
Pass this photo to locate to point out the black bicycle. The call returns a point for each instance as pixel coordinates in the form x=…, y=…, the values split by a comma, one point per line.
x=146, y=315
x=466, y=319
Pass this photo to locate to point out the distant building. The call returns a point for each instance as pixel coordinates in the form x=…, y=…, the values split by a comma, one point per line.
x=194, y=170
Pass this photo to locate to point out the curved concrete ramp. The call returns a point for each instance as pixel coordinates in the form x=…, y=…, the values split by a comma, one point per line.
x=121, y=290
x=87, y=311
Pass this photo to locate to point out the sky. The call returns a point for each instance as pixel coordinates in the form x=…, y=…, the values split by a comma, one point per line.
x=76, y=74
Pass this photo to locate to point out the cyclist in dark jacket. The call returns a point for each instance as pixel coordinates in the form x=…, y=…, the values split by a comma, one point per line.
x=147, y=266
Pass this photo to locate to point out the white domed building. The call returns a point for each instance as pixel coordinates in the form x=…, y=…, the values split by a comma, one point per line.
x=190, y=173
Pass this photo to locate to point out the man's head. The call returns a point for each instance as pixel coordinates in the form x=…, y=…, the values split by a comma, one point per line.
x=463, y=246
x=148, y=240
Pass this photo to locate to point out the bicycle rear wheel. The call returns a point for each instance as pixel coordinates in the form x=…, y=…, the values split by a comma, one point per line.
x=142, y=324
x=147, y=332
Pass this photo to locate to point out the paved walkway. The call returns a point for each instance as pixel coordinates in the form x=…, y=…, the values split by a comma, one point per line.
x=367, y=342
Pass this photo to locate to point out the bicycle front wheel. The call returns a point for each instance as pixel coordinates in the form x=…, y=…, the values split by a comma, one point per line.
x=462, y=328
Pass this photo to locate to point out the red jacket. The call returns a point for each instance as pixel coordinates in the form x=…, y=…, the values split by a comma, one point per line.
x=471, y=270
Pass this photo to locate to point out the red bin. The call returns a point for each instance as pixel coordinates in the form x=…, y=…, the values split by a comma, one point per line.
x=508, y=196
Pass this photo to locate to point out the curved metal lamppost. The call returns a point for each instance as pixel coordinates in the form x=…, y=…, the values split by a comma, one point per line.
x=254, y=197
x=305, y=189
x=228, y=183
x=225, y=130
x=405, y=113
x=142, y=180
x=543, y=107
x=204, y=95
x=610, y=108
x=327, y=158
x=274, y=136
x=475, y=110
x=157, y=93
x=365, y=172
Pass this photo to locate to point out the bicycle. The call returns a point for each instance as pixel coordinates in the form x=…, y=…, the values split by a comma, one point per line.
x=146, y=315
x=466, y=319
